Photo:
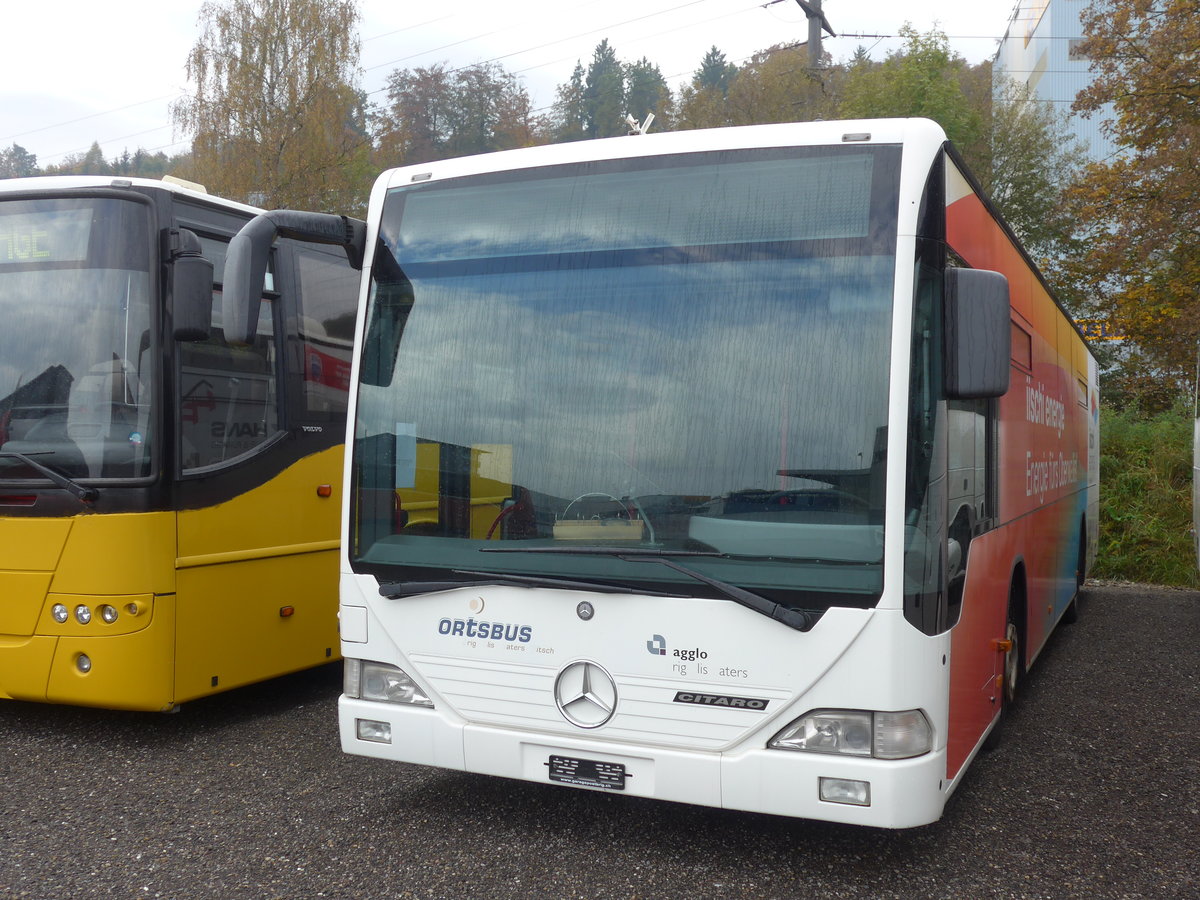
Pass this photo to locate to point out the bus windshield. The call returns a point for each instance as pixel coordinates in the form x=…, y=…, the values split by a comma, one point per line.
x=687, y=354
x=76, y=345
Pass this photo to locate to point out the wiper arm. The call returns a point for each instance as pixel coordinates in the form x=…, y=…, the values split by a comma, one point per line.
x=400, y=589
x=799, y=619
x=74, y=488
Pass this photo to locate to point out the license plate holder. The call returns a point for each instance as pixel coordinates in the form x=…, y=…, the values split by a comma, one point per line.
x=587, y=772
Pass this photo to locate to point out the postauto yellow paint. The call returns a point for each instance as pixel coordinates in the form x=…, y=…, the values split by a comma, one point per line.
x=241, y=562
x=144, y=611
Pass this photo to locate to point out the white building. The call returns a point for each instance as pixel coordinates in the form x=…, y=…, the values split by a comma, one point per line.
x=1040, y=49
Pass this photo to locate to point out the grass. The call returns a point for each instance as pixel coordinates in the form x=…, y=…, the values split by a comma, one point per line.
x=1146, y=497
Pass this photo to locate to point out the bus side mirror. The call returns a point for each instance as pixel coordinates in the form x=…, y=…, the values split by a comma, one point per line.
x=246, y=262
x=978, y=334
x=191, y=288
x=394, y=297
x=245, y=275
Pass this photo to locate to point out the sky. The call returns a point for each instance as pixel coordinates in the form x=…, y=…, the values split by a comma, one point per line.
x=109, y=72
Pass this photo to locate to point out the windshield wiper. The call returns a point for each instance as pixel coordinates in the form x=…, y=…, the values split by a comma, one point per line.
x=800, y=619
x=399, y=589
x=72, y=487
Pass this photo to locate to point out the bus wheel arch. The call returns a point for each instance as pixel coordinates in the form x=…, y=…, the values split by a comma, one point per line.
x=1071, y=613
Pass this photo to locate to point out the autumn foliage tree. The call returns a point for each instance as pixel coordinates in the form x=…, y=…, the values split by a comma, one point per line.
x=275, y=114
x=778, y=85
x=1139, y=212
x=435, y=113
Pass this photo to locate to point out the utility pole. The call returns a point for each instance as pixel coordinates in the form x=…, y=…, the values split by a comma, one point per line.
x=816, y=22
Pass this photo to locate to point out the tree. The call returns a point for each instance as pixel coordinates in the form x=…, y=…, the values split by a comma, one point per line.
x=646, y=92
x=144, y=164
x=922, y=79
x=604, y=94
x=1031, y=159
x=714, y=72
x=566, y=116
x=701, y=108
x=703, y=103
x=595, y=102
x=17, y=162
x=436, y=113
x=415, y=126
x=275, y=114
x=90, y=163
x=777, y=85
x=1139, y=213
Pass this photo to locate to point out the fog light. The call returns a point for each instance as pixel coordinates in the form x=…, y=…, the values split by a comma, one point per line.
x=370, y=730
x=132, y=609
x=60, y=613
x=83, y=615
x=83, y=663
x=108, y=613
x=844, y=790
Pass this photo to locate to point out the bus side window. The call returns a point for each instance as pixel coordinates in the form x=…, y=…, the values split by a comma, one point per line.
x=228, y=395
x=328, y=298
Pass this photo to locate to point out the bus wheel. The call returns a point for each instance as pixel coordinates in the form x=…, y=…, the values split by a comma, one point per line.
x=1012, y=662
x=1012, y=672
x=1014, y=633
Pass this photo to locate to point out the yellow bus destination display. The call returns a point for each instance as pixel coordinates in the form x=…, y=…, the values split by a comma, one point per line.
x=45, y=237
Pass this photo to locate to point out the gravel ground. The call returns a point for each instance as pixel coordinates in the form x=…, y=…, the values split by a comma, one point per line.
x=1092, y=794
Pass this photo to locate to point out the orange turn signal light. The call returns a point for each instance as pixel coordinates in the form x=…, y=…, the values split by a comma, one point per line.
x=286, y=611
x=324, y=490
x=1002, y=646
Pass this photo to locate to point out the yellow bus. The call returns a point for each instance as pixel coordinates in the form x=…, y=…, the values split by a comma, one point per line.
x=169, y=500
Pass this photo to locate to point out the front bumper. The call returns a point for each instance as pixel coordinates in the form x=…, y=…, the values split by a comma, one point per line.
x=904, y=793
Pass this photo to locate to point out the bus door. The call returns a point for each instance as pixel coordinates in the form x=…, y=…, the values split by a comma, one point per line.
x=258, y=518
x=971, y=601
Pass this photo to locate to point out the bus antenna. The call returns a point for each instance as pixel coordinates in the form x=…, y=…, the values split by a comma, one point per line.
x=638, y=128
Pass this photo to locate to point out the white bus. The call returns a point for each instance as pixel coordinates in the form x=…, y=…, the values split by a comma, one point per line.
x=747, y=467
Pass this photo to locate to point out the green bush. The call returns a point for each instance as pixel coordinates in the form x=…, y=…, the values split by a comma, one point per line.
x=1146, y=497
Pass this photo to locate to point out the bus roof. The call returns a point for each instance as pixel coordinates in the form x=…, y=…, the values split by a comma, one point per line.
x=74, y=182
x=789, y=134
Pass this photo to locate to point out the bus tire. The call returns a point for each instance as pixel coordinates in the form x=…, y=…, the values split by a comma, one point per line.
x=1012, y=668
x=1013, y=672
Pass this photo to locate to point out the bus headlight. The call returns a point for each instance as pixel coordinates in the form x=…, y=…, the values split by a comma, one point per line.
x=852, y=732
x=60, y=613
x=377, y=681
x=108, y=614
x=83, y=615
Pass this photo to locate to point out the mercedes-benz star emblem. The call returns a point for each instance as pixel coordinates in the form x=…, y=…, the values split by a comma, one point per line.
x=586, y=694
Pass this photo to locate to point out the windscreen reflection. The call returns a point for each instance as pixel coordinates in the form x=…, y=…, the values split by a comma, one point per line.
x=75, y=349
x=699, y=370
